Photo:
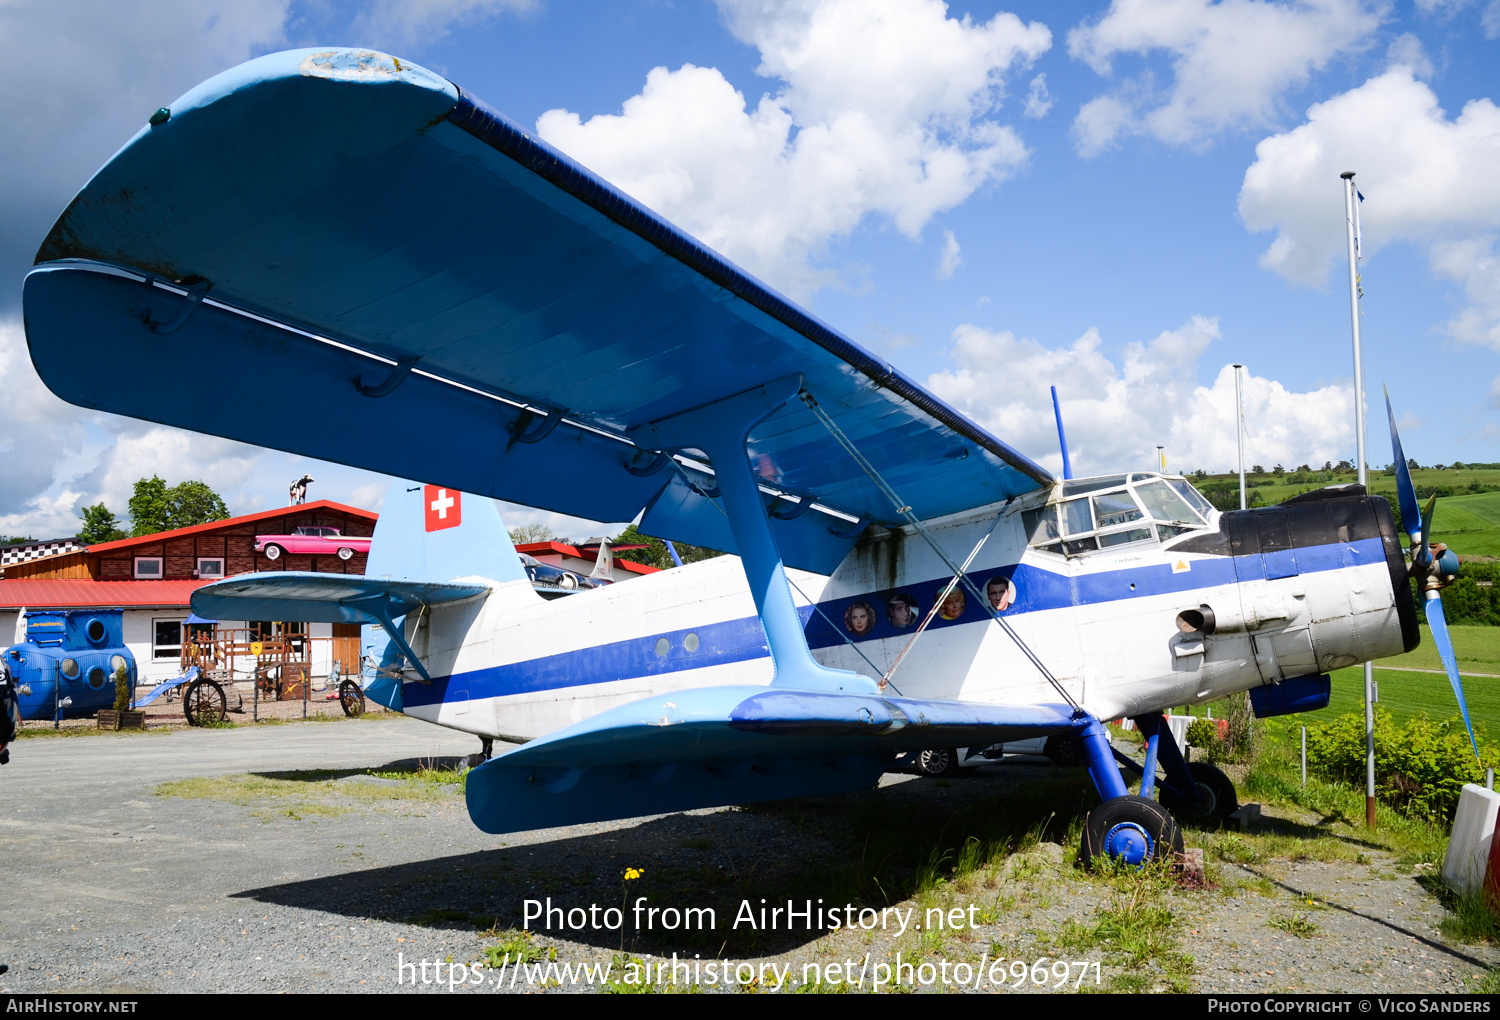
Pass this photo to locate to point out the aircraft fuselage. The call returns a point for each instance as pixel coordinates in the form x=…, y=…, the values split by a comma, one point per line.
x=1289, y=591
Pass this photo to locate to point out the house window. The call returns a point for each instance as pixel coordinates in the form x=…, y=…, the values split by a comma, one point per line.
x=148, y=568
x=211, y=567
x=166, y=639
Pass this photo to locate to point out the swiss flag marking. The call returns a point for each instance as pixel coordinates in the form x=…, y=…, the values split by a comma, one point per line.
x=443, y=507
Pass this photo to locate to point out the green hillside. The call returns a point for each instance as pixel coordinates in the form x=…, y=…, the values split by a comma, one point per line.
x=1468, y=507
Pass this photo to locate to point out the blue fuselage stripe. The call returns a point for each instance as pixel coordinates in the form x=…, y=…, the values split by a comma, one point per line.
x=731, y=641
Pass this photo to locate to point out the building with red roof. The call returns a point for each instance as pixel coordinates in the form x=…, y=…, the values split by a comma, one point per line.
x=153, y=577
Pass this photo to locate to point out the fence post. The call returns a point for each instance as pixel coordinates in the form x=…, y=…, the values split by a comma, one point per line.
x=1304, y=756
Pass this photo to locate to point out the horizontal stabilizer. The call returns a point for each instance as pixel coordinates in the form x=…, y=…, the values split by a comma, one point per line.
x=728, y=745
x=321, y=598
x=331, y=598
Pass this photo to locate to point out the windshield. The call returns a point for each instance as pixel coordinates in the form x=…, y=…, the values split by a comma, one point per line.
x=1129, y=509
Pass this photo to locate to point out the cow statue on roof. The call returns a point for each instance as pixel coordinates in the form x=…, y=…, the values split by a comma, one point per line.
x=297, y=495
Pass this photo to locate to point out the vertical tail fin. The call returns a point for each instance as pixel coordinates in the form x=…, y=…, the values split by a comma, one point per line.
x=433, y=533
x=604, y=566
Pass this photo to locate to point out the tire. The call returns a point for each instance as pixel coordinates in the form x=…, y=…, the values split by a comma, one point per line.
x=351, y=699
x=345, y=553
x=1065, y=749
x=1217, y=799
x=203, y=703
x=1130, y=828
x=938, y=761
x=274, y=552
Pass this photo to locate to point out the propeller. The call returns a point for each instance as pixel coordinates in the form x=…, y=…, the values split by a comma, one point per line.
x=1433, y=565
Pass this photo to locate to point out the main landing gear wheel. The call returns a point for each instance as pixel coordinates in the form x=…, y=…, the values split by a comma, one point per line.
x=351, y=699
x=938, y=761
x=1065, y=749
x=273, y=552
x=1132, y=830
x=204, y=703
x=1216, y=796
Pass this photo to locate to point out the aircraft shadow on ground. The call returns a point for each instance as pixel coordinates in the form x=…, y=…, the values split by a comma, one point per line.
x=864, y=849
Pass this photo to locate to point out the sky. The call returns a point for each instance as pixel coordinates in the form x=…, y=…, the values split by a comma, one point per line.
x=1119, y=199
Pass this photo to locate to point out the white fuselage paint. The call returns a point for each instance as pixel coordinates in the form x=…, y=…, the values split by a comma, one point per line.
x=1117, y=656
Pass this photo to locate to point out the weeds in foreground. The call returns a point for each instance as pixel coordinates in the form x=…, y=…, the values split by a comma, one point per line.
x=1295, y=924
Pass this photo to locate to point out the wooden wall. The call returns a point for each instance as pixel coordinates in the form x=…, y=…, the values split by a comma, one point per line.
x=234, y=542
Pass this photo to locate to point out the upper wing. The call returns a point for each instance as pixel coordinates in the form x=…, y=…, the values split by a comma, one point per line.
x=340, y=254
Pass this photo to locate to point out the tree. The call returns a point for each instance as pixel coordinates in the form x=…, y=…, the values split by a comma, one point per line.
x=99, y=525
x=655, y=554
x=154, y=507
x=16, y=540
x=1258, y=469
x=527, y=533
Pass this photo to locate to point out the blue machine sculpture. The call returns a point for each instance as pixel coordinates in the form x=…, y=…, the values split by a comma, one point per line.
x=65, y=668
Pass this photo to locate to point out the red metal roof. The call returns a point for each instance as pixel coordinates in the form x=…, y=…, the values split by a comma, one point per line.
x=233, y=522
x=587, y=552
x=83, y=592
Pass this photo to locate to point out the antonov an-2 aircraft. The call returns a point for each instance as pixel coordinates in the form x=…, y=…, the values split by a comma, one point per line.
x=341, y=254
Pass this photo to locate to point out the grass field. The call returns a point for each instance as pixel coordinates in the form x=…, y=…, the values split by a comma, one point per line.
x=1407, y=694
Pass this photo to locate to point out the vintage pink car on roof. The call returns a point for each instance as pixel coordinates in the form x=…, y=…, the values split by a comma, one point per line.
x=310, y=541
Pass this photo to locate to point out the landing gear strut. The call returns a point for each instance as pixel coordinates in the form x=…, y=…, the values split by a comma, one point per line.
x=1134, y=828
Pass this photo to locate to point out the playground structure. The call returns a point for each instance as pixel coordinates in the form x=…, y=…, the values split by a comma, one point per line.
x=281, y=660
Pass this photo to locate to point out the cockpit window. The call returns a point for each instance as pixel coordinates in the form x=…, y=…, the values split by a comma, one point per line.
x=1116, y=508
x=1076, y=517
x=1077, y=487
x=1163, y=503
x=1193, y=496
x=1119, y=510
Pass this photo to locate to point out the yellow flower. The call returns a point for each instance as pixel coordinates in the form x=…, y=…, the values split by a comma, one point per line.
x=631, y=873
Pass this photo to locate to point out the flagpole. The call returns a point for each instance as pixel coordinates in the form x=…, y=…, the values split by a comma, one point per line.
x=1239, y=430
x=1351, y=223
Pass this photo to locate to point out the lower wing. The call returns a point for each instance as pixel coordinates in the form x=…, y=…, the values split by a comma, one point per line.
x=728, y=745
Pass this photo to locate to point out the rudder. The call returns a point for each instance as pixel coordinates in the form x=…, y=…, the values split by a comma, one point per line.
x=434, y=533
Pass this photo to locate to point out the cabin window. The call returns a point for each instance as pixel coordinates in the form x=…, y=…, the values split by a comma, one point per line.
x=211, y=566
x=148, y=568
x=166, y=639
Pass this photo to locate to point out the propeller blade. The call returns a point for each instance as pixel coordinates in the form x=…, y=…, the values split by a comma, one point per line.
x=1439, y=625
x=1427, y=530
x=1406, y=493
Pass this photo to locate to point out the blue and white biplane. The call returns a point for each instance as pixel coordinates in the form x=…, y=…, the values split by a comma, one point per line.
x=341, y=254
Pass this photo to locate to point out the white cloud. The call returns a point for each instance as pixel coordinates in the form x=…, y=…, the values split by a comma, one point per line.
x=951, y=259
x=1116, y=414
x=884, y=109
x=37, y=432
x=1038, y=100
x=1232, y=62
x=1426, y=179
x=1406, y=50
x=390, y=23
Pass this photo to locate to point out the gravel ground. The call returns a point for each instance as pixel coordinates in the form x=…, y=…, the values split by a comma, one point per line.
x=333, y=884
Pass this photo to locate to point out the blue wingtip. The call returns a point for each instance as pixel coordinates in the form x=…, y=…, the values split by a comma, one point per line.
x=1439, y=624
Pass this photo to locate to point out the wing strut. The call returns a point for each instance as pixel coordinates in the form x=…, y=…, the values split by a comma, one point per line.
x=905, y=511
x=378, y=609
x=721, y=430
